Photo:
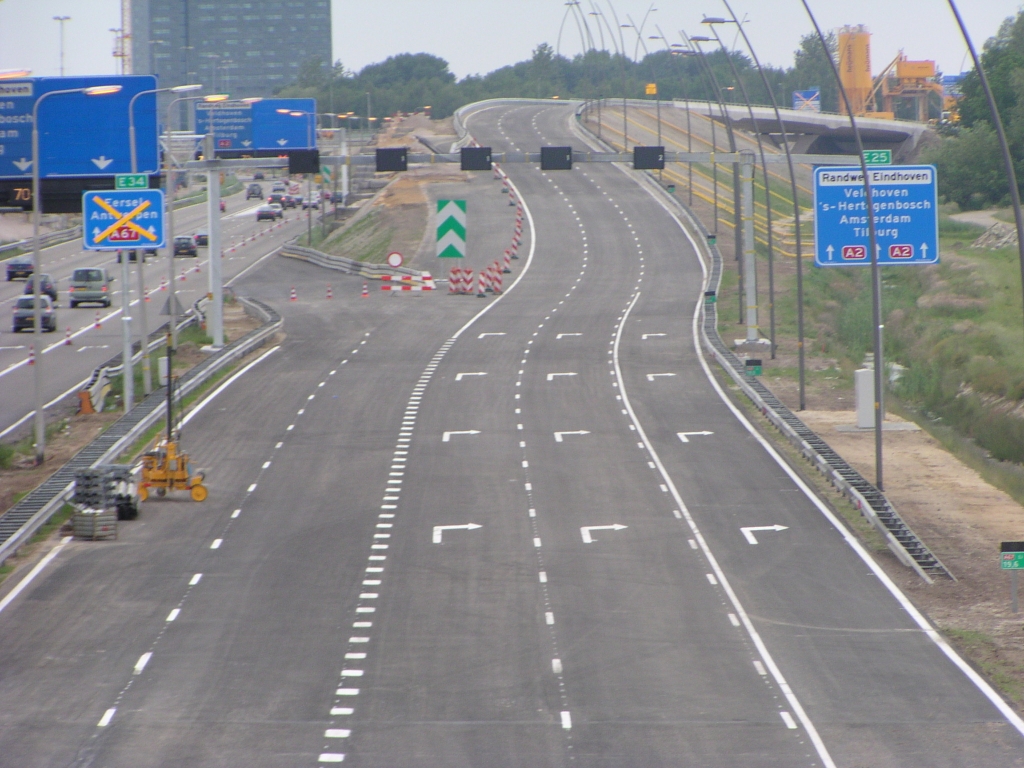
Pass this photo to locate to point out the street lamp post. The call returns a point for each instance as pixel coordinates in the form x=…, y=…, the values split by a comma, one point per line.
x=37, y=260
x=310, y=116
x=147, y=373
x=61, y=20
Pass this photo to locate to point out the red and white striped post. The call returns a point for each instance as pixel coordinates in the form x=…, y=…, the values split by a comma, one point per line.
x=67, y=337
x=294, y=296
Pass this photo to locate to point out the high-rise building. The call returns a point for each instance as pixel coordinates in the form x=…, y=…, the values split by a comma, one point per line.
x=241, y=47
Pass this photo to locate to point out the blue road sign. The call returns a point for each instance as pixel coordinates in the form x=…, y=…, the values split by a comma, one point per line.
x=272, y=130
x=79, y=135
x=230, y=122
x=904, y=198
x=114, y=219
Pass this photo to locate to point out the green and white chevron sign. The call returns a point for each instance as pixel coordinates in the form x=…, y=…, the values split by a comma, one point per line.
x=451, y=229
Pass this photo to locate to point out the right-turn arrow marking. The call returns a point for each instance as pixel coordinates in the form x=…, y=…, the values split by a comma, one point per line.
x=748, y=532
x=585, y=530
x=558, y=435
x=446, y=437
x=440, y=529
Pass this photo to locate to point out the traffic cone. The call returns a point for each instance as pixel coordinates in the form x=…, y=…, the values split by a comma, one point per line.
x=145, y=293
x=366, y=291
x=481, y=286
x=196, y=268
x=184, y=276
x=31, y=355
x=163, y=283
x=97, y=325
x=508, y=266
x=67, y=337
x=294, y=297
x=330, y=293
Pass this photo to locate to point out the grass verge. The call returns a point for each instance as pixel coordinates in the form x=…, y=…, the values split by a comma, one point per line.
x=983, y=651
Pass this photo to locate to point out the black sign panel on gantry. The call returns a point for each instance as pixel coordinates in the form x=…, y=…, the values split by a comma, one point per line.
x=303, y=161
x=476, y=158
x=649, y=158
x=392, y=159
x=556, y=158
x=60, y=195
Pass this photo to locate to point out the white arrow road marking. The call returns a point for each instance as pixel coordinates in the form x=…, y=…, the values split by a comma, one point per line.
x=446, y=437
x=651, y=376
x=551, y=376
x=566, y=334
x=683, y=435
x=458, y=376
x=748, y=532
x=490, y=334
x=558, y=435
x=646, y=336
x=440, y=529
x=585, y=530
x=102, y=161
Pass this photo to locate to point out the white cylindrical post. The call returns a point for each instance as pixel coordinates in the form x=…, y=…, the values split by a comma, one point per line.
x=215, y=312
x=147, y=374
x=749, y=265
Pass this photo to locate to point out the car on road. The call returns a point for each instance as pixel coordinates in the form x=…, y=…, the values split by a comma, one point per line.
x=19, y=266
x=258, y=176
x=270, y=212
x=292, y=201
x=277, y=198
x=254, y=190
x=202, y=238
x=47, y=286
x=184, y=245
x=133, y=255
x=24, y=314
x=89, y=285
x=278, y=186
x=313, y=202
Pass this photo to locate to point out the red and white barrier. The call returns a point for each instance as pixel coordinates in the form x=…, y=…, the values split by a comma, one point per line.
x=366, y=291
x=330, y=293
x=97, y=323
x=67, y=337
x=294, y=296
x=31, y=355
x=507, y=269
x=481, y=285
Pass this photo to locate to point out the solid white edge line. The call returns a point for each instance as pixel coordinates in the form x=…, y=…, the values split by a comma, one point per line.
x=206, y=400
x=990, y=693
x=723, y=581
x=50, y=404
x=10, y=596
x=529, y=258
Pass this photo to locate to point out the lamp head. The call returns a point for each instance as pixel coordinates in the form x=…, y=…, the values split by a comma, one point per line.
x=700, y=39
x=185, y=88
x=214, y=97
x=714, y=20
x=101, y=90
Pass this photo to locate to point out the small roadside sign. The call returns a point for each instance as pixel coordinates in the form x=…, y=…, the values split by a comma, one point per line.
x=878, y=157
x=651, y=89
x=131, y=181
x=1011, y=555
x=115, y=219
x=395, y=259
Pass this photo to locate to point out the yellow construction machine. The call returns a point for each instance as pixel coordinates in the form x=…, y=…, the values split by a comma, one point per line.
x=165, y=468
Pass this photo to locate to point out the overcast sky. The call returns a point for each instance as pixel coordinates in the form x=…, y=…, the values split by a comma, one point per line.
x=477, y=36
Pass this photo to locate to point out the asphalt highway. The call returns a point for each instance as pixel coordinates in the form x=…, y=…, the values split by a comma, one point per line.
x=451, y=531
x=67, y=366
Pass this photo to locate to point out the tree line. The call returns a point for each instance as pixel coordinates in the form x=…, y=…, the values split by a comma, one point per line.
x=410, y=81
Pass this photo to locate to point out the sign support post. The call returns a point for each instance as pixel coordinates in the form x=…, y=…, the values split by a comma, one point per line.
x=127, y=372
x=215, y=324
x=1011, y=558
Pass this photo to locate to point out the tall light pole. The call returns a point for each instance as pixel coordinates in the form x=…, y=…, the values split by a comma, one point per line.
x=61, y=20
x=310, y=116
x=37, y=260
x=147, y=374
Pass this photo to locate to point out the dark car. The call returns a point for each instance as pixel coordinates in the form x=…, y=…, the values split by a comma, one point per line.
x=185, y=246
x=133, y=255
x=47, y=287
x=258, y=176
x=279, y=198
x=269, y=212
x=254, y=190
x=202, y=238
x=292, y=201
x=24, y=314
x=19, y=266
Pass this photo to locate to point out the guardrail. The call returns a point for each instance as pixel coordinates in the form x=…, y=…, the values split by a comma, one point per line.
x=19, y=523
x=870, y=502
x=342, y=264
x=45, y=241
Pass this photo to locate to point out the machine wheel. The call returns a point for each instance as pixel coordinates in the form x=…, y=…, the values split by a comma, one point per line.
x=199, y=492
x=161, y=492
x=143, y=493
